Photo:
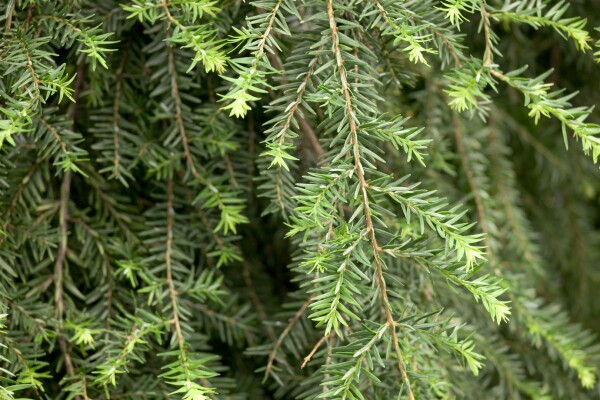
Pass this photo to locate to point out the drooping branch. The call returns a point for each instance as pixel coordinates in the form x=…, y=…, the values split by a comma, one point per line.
x=350, y=115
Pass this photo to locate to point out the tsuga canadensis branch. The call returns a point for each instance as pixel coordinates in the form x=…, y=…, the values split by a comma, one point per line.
x=365, y=197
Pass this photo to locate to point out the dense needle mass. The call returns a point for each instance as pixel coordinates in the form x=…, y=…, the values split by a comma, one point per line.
x=299, y=199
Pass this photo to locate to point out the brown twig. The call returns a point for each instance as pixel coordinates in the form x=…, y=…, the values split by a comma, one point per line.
x=327, y=362
x=63, y=217
x=264, y=36
x=178, y=112
x=284, y=333
x=315, y=348
x=305, y=127
x=168, y=263
x=9, y=15
x=52, y=131
x=85, y=394
x=115, y=114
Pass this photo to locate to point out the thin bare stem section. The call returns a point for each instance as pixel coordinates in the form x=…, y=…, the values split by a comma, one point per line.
x=315, y=348
x=115, y=125
x=293, y=321
x=178, y=111
x=63, y=234
x=364, y=194
x=168, y=262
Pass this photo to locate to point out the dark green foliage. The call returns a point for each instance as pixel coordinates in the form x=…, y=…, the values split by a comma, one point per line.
x=279, y=199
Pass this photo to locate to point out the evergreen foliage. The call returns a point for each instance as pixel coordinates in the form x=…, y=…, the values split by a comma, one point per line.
x=299, y=199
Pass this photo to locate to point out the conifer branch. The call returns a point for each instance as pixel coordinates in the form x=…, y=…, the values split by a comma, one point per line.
x=359, y=170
